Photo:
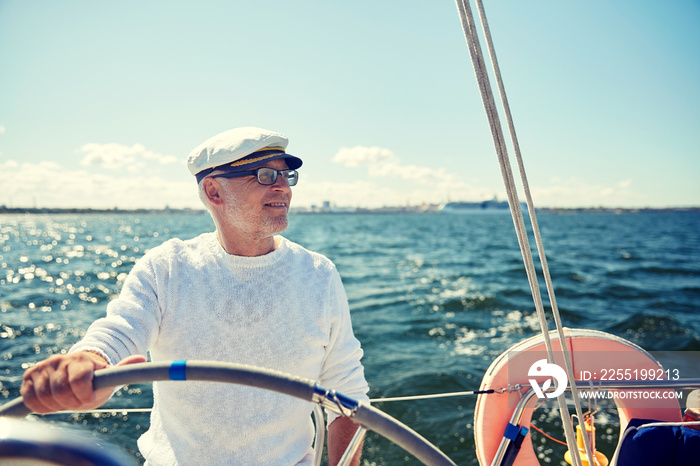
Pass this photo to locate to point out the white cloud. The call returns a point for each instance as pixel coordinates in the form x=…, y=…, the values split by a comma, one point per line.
x=421, y=175
x=359, y=193
x=382, y=162
x=10, y=164
x=358, y=156
x=115, y=156
x=48, y=184
x=368, y=193
x=575, y=192
x=2, y=129
x=436, y=185
x=422, y=184
x=624, y=183
x=385, y=182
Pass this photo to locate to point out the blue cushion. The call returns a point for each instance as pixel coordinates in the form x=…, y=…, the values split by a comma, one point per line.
x=659, y=446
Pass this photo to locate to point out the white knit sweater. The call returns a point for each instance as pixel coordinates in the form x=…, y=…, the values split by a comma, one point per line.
x=286, y=310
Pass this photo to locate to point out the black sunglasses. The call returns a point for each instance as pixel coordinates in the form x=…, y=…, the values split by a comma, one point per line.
x=266, y=176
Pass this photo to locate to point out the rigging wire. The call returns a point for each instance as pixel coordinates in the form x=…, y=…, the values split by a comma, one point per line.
x=485, y=88
x=373, y=400
x=533, y=219
x=436, y=395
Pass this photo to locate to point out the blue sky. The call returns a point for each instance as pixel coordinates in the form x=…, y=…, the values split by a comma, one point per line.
x=100, y=102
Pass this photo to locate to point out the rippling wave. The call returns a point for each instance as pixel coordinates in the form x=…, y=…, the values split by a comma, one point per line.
x=434, y=298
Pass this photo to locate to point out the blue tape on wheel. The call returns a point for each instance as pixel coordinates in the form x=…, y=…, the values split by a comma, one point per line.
x=177, y=370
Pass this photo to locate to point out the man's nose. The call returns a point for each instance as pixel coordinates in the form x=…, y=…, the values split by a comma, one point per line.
x=281, y=183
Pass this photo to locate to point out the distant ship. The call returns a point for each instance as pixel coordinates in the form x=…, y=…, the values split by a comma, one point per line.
x=458, y=207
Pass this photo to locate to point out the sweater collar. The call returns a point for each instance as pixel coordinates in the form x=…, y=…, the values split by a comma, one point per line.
x=281, y=249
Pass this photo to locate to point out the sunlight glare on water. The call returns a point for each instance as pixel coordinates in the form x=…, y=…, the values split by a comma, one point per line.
x=434, y=299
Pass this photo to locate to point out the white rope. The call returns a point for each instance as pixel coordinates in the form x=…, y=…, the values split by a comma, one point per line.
x=485, y=88
x=670, y=424
x=422, y=397
x=373, y=400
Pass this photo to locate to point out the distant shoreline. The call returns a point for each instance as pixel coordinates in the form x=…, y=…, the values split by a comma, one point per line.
x=56, y=210
x=381, y=210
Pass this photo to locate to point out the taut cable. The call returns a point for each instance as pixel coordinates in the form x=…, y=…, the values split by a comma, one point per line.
x=485, y=88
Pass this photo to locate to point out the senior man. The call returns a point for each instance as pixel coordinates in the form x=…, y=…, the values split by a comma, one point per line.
x=239, y=294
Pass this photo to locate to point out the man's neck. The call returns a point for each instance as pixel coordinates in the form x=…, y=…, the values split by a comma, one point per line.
x=245, y=245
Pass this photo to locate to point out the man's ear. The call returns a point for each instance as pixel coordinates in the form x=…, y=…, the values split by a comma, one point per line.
x=212, y=189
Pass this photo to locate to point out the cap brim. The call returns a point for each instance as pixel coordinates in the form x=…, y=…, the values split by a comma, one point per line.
x=251, y=161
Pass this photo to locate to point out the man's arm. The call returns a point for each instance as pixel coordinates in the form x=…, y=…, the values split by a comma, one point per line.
x=340, y=432
x=64, y=382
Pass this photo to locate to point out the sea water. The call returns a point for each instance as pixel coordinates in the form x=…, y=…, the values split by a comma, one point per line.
x=434, y=299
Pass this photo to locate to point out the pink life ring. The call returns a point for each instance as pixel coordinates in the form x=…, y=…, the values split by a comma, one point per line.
x=594, y=354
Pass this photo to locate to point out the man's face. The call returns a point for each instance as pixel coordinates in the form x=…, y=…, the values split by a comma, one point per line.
x=255, y=208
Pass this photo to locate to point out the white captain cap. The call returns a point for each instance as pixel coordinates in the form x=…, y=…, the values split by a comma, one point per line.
x=239, y=149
